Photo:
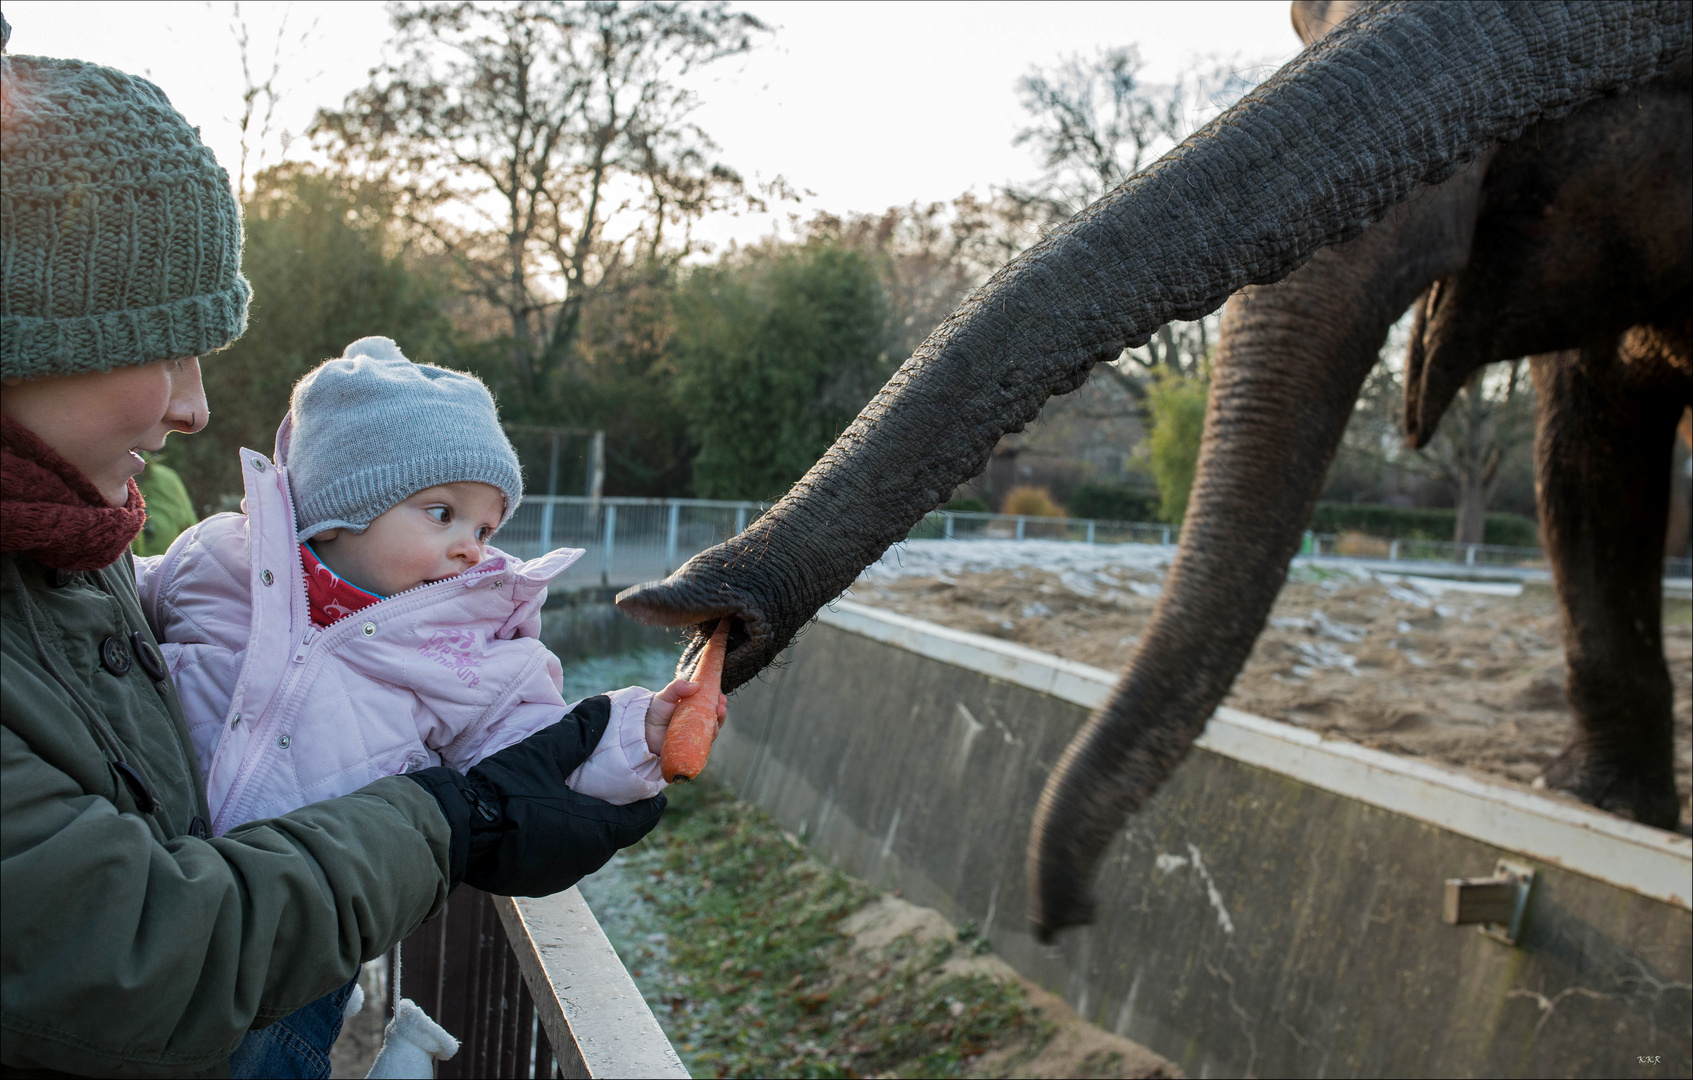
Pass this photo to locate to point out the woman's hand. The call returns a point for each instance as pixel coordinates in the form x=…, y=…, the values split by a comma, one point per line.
x=663, y=707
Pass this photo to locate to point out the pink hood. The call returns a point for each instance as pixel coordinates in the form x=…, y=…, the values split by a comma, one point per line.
x=283, y=713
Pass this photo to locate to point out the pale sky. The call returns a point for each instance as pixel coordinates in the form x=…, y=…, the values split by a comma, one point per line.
x=866, y=105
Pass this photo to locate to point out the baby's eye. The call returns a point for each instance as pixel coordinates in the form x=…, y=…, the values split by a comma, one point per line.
x=483, y=534
x=442, y=514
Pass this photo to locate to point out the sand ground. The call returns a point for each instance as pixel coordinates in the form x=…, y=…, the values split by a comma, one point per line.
x=1467, y=674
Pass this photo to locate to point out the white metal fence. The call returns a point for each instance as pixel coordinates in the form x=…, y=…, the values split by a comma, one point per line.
x=630, y=540
x=627, y=540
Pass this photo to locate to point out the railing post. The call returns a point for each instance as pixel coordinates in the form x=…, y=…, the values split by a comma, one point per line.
x=1393, y=551
x=1020, y=521
x=1090, y=530
x=670, y=537
x=740, y=519
x=610, y=542
x=946, y=523
x=546, y=526
x=1166, y=540
x=1469, y=556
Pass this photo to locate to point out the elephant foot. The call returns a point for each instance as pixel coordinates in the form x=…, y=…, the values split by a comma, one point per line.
x=1646, y=795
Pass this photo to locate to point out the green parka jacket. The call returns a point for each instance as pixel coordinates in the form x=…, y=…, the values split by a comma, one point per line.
x=130, y=945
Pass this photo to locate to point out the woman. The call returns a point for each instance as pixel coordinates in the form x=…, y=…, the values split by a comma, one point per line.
x=133, y=944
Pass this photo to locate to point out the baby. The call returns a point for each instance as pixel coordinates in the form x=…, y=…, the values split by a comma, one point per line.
x=354, y=623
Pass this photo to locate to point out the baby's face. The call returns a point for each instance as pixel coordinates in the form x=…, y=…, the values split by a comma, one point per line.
x=438, y=533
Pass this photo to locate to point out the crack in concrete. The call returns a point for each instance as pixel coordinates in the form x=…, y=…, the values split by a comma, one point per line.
x=1549, y=1005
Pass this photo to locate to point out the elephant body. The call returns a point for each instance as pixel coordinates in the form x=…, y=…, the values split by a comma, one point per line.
x=1571, y=244
x=1414, y=150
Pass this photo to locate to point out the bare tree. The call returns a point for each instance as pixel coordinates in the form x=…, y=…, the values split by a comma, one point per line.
x=1491, y=416
x=1095, y=122
x=930, y=255
x=1481, y=434
x=545, y=147
x=261, y=89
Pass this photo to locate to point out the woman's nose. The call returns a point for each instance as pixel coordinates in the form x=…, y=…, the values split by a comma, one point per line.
x=188, y=410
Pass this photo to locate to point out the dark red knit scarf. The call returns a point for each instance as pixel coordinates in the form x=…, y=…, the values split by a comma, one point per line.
x=54, y=514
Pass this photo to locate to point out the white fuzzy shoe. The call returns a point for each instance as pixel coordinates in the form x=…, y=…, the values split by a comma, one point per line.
x=355, y=1002
x=411, y=1046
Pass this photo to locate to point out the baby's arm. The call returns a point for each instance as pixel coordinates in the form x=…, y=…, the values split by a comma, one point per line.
x=622, y=769
x=624, y=766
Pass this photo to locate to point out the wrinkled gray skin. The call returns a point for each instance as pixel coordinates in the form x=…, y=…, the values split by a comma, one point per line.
x=1573, y=242
x=1384, y=113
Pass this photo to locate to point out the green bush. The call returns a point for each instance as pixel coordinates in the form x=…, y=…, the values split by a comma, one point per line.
x=1027, y=501
x=1402, y=523
x=774, y=356
x=1113, y=502
x=1178, y=420
x=969, y=504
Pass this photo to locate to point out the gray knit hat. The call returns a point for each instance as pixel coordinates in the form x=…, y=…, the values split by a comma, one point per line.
x=372, y=428
x=120, y=241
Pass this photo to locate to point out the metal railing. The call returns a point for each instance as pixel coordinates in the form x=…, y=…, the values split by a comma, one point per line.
x=627, y=540
x=492, y=970
x=630, y=540
x=1360, y=546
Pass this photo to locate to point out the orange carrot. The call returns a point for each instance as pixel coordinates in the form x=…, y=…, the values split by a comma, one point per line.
x=693, y=726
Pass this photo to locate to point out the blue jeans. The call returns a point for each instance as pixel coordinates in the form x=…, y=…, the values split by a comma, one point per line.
x=295, y=1047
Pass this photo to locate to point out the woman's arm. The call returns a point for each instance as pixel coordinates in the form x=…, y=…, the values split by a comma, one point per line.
x=129, y=952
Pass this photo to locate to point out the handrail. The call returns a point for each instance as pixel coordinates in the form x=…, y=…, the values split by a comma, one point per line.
x=603, y=1027
x=531, y=988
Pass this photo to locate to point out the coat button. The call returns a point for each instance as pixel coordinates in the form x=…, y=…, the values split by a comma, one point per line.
x=152, y=661
x=285, y=742
x=369, y=629
x=198, y=828
x=259, y=464
x=60, y=578
x=266, y=576
x=236, y=721
x=114, y=655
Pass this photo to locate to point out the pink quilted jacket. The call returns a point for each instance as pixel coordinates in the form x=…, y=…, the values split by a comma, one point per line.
x=283, y=713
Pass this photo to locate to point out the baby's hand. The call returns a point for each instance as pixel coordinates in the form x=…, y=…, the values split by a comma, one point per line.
x=663, y=707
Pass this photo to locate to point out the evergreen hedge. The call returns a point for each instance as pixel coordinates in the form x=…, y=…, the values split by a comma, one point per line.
x=1397, y=522
x=1113, y=502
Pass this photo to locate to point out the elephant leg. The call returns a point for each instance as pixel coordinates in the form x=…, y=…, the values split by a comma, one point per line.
x=1606, y=419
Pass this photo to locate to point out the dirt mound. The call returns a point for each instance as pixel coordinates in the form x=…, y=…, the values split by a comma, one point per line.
x=886, y=929
x=1464, y=673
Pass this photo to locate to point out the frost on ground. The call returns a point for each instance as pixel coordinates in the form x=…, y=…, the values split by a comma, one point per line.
x=760, y=961
x=1470, y=674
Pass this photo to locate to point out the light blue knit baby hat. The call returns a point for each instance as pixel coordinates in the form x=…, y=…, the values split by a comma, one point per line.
x=372, y=429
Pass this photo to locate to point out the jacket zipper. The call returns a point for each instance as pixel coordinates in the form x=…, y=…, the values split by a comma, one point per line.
x=300, y=666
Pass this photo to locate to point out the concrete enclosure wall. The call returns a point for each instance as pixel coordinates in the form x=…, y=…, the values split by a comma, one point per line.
x=1252, y=919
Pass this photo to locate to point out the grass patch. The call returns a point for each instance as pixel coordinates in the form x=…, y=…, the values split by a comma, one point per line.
x=733, y=934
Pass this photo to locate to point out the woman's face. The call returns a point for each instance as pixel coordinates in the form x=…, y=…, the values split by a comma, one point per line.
x=99, y=420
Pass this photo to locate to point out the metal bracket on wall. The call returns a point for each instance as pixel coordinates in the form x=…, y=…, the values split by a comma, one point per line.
x=1498, y=903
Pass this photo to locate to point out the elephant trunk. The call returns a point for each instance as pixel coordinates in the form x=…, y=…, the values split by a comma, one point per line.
x=1349, y=128
x=1290, y=361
